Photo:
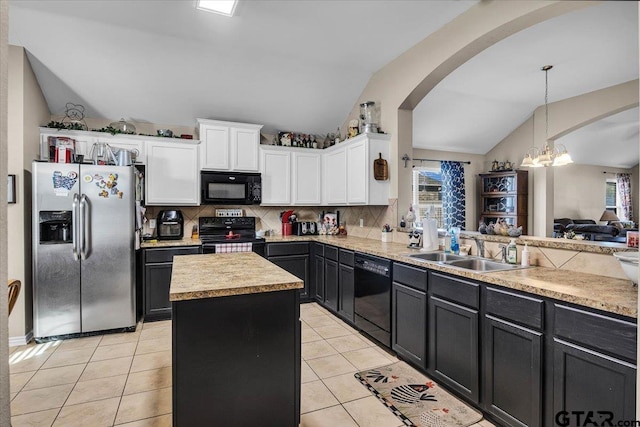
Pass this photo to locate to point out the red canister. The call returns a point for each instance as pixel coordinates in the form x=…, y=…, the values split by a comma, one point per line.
x=287, y=229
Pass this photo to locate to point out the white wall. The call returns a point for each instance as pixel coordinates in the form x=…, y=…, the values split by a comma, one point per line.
x=28, y=110
x=579, y=191
x=401, y=84
x=566, y=116
x=5, y=409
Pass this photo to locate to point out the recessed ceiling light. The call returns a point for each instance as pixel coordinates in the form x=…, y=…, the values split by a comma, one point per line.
x=223, y=7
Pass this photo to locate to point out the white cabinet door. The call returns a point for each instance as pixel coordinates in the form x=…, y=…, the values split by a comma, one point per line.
x=357, y=173
x=214, y=147
x=335, y=177
x=172, y=174
x=275, y=167
x=306, y=179
x=244, y=146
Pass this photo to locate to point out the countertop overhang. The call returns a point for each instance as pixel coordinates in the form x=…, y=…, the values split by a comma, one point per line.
x=220, y=275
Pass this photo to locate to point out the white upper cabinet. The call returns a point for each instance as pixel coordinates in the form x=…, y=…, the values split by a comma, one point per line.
x=275, y=169
x=172, y=173
x=334, y=172
x=357, y=177
x=306, y=178
x=290, y=176
x=348, y=177
x=229, y=146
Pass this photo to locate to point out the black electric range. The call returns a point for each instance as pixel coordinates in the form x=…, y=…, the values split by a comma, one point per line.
x=218, y=231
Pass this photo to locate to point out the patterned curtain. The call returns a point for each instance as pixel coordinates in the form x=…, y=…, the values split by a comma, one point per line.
x=623, y=182
x=453, y=196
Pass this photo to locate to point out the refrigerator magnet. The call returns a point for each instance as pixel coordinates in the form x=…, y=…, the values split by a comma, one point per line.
x=87, y=178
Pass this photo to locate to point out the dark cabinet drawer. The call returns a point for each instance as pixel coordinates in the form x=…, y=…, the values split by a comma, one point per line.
x=521, y=309
x=457, y=290
x=331, y=252
x=411, y=276
x=277, y=249
x=318, y=249
x=599, y=332
x=346, y=257
x=167, y=254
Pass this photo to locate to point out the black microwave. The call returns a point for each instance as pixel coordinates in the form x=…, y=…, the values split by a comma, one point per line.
x=230, y=188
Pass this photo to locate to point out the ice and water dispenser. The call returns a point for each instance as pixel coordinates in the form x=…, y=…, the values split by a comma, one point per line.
x=55, y=227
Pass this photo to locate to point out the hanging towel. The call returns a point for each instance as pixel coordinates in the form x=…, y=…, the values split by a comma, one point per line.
x=222, y=248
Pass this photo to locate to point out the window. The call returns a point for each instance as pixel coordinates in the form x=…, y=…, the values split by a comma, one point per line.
x=427, y=194
x=611, y=196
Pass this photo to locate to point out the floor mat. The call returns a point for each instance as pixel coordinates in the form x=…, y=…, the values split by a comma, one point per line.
x=416, y=399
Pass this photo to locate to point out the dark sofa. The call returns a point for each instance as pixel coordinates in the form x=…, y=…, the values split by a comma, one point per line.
x=589, y=229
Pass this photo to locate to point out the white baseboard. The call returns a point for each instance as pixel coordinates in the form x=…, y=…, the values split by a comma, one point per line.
x=25, y=339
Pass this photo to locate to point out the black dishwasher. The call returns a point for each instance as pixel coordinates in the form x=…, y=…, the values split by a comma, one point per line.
x=373, y=297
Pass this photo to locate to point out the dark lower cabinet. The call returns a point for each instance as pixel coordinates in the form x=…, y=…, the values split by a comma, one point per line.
x=453, y=346
x=293, y=257
x=236, y=360
x=298, y=265
x=158, y=264
x=585, y=380
x=318, y=274
x=513, y=372
x=409, y=324
x=346, y=292
x=594, y=364
x=331, y=278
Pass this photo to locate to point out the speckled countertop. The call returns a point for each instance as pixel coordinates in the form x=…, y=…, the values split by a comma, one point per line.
x=220, y=275
x=589, y=290
x=186, y=241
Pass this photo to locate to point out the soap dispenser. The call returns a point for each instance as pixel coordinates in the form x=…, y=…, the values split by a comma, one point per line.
x=512, y=252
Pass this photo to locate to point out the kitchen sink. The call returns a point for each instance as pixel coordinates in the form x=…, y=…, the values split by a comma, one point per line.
x=483, y=265
x=437, y=256
x=475, y=264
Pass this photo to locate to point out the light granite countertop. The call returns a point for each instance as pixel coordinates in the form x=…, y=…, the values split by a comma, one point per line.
x=600, y=292
x=221, y=275
x=186, y=241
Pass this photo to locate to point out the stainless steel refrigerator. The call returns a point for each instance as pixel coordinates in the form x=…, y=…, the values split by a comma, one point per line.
x=83, y=248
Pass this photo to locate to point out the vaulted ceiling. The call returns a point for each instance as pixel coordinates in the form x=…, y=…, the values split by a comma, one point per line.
x=301, y=65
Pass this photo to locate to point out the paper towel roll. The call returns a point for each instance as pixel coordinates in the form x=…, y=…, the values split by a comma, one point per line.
x=430, y=235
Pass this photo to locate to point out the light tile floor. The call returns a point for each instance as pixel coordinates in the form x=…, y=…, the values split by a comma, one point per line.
x=125, y=379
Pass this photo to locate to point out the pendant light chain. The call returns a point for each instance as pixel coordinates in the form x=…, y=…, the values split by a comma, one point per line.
x=535, y=158
x=546, y=69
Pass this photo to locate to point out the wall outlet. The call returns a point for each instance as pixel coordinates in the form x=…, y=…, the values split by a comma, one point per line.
x=152, y=223
x=361, y=222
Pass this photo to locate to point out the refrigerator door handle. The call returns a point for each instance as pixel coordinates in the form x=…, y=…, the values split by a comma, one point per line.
x=84, y=227
x=74, y=227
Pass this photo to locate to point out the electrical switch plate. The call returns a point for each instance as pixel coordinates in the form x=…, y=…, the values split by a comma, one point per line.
x=361, y=222
x=152, y=223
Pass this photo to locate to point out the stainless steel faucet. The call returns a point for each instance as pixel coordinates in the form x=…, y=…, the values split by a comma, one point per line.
x=479, y=246
x=503, y=249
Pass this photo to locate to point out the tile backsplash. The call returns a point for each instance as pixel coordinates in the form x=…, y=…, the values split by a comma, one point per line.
x=268, y=217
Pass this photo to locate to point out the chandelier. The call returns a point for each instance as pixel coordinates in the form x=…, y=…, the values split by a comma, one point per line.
x=557, y=156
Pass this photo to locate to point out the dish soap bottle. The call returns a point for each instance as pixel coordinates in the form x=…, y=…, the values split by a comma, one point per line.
x=512, y=252
x=525, y=261
x=455, y=246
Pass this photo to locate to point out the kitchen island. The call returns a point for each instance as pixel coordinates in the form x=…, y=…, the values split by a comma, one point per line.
x=236, y=341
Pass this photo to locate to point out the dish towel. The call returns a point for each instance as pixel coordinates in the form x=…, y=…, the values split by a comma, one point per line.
x=222, y=248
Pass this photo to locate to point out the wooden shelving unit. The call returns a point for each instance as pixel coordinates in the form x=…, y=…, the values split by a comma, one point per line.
x=503, y=195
